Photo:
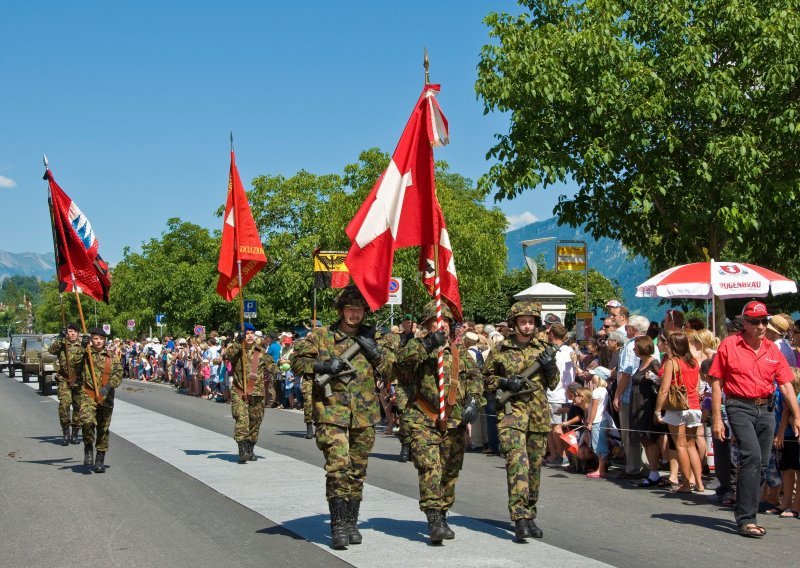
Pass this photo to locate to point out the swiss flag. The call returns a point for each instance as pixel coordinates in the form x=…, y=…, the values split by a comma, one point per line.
x=240, y=240
x=401, y=210
x=448, y=280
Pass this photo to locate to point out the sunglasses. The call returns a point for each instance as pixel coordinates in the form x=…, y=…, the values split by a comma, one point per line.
x=607, y=326
x=757, y=321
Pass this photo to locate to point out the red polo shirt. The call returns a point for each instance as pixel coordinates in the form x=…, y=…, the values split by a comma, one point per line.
x=747, y=374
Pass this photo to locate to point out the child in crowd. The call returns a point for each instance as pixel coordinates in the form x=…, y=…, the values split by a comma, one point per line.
x=288, y=386
x=596, y=421
x=787, y=443
x=205, y=372
x=581, y=398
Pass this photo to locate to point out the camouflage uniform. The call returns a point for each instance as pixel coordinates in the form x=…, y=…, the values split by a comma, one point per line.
x=248, y=412
x=345, y=421
x=438, y=456
x=94, y=415
x=523, y=423
x=69, y=395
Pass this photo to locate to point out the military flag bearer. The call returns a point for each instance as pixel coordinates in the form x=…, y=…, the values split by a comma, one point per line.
x=67, y=347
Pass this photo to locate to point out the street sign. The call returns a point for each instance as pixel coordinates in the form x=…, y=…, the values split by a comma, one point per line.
x=131, y=324
x=199, y=329
x=250, y=308
x=160, y=319
x=107, y=328
x=395, y=291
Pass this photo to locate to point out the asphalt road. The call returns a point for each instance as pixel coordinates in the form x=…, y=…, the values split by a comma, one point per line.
x=148, y=511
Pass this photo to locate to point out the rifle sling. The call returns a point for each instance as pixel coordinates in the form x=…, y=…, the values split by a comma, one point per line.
x=253, y=375
x=105, y=378
x=452, y=392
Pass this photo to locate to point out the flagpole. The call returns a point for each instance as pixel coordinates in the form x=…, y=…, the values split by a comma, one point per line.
x=60, y=229
x=241, y=287
x=442, y=422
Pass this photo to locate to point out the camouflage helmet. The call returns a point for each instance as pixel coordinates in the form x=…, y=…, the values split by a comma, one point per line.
x=429, y=312
x=350, y=296
x=524, y=308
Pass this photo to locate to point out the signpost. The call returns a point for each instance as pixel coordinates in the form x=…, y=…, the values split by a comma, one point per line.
x=395, y=296
x=107, y=328
x=131, y=324
x=250, y=308
x=199, y=329
x=574, y=255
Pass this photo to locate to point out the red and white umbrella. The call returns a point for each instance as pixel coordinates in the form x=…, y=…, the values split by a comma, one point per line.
x=704, y=280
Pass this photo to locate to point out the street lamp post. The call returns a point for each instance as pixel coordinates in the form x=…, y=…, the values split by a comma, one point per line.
x=8, y=330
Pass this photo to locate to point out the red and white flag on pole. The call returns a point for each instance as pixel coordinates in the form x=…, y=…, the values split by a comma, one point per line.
x=80, y=266
x=448, y=280
x=240, y=240
x=402, y=209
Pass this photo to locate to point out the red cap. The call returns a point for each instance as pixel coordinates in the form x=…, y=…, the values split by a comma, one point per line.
x=755, y=310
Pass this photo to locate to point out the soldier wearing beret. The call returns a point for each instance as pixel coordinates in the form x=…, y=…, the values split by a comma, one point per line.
x=102, y=373
x=67, y=347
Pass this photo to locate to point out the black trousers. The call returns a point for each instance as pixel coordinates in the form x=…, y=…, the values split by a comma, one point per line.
x=754, y=429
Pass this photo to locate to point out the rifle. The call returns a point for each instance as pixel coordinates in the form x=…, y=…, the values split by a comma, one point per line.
x=504, y=397
x=345, y=376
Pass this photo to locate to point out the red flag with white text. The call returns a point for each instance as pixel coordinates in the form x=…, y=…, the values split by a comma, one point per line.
x=80, y=266
x=240, y=239
x=400, y=210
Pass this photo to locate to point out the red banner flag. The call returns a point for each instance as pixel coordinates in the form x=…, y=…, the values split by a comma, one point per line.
x=240, y=240
x=80, y=266
x=448, y=280
x=401, y=210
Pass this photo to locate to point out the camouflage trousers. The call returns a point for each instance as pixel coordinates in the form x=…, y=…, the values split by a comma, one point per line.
x=248, y=416
x=524, y=452
x=308, y=404
x=346, y=451
x=69, y=397
x=438, y=457
x=95, y=416
x=403, y=394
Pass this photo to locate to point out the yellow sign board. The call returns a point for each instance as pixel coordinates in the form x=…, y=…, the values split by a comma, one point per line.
x=570, y=257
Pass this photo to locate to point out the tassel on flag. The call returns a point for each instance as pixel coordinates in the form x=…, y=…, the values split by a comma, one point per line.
x=80, y=267
x=240, y=240
x=402, y=209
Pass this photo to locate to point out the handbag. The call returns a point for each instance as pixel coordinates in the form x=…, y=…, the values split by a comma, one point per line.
x=677, y=398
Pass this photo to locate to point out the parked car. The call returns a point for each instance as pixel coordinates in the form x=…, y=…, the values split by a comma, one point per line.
x=48, y=365
x=15, y=353
x=4, y=345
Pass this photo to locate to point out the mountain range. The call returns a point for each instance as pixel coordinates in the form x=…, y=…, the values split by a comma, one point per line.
x=41, y=266
x=607, y=256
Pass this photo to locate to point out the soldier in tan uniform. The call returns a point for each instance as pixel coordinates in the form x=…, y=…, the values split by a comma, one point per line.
x=524, y=421
x=247, y=400
x=100, y=377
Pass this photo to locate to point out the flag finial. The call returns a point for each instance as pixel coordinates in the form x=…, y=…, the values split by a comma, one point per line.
x=44, y=159
x=231, y=140
x=426, y=64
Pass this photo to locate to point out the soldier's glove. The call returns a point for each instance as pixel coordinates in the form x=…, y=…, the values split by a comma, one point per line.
x=85, y=341
x=369, y=348
x=434, y=340
x=547, y=362
x=332, y=366
x=469, y=412
x=240, y=337
x=515, y=383
x=105, y=390
x=62, y=333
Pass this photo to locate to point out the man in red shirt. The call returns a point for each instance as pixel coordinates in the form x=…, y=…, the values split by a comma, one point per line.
x=746, y=368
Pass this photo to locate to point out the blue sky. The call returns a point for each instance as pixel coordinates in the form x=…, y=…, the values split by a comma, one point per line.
x=133, y=101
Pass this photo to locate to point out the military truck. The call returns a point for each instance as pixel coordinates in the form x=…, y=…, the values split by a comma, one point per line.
x=31, y=356
x=15, y=354
x=48, y=365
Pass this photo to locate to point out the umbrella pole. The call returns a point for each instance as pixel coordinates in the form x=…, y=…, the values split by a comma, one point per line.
x=714, y=314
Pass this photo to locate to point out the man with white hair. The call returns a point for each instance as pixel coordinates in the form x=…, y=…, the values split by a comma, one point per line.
x=634, y=327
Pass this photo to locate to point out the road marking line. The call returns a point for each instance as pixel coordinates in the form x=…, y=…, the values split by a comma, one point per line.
x=394, y=529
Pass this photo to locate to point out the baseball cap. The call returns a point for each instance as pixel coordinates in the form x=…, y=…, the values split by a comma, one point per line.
x=408, y=317
x=754, y=310
x=613, y=304
x=259, y=333
x=601, y=372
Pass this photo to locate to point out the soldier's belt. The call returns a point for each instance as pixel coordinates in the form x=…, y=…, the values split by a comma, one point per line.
x=433, y=413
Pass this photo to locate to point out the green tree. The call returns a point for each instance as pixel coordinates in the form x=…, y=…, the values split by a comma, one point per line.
x=48, y=312
x=14, y=288
x=677, y=119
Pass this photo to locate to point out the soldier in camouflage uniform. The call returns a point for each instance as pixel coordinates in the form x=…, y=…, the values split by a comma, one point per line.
x=346, y=419
x=306, y=386
x=104, y=372
x=70, y=383
x=524, y=422
x=247, y=405
x=404, y=391
x=437, y=449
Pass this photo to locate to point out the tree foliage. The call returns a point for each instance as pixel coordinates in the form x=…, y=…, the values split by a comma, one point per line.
x=679, y=120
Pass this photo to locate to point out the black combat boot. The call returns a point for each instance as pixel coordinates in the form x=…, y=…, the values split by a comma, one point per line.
x=353, y=535
x=339, y=536
x=448, y=532
x=251, y=456
x=436, y=530
x=88, y=457
x=74, y=438
x=536, y=532
x=242, y=452
x=65, y=435
x=405, y=453
x=309, y=431
x=522, y=530
x=99, y=466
